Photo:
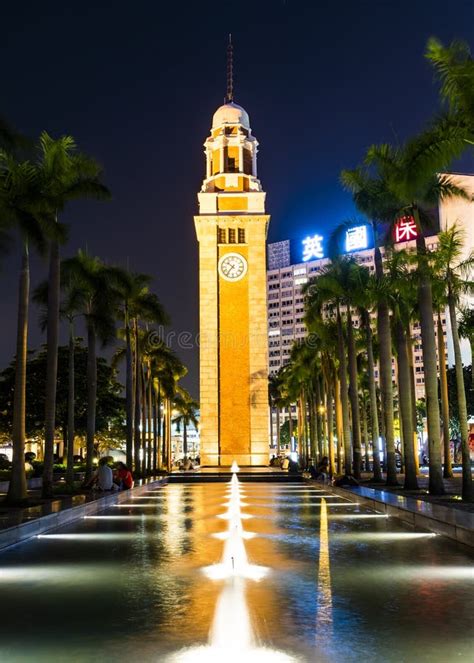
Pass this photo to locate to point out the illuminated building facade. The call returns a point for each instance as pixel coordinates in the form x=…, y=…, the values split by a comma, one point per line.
x=231, y=229
x=286, y=277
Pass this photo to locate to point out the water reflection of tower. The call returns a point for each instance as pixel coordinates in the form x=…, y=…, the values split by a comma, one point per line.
x=324, y=619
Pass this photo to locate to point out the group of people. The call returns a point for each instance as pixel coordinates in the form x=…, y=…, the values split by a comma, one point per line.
x=106, y=479
x=319, y=472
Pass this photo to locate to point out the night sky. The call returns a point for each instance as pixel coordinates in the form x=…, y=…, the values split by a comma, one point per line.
x=136, y=84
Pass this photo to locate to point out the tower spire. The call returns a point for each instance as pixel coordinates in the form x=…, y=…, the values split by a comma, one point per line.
x=230, y=72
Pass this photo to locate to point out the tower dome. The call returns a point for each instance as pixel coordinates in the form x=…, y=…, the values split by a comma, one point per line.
x=230, y=113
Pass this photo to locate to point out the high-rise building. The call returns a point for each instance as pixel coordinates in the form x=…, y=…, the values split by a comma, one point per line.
x=232, y=228
x=285, y=298
x=286, y=278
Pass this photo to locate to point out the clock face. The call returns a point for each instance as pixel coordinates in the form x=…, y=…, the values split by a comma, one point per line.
x=232, y=266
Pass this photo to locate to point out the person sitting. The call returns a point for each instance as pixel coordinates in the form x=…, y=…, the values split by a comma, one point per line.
x=285, y=463
x=187, y=464
x=103, y=477
x=293, y=467
x=124, y=477
x=322, y=469
x=346, y=480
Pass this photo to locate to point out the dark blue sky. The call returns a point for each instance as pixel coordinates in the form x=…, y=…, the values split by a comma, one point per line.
x=137, y=83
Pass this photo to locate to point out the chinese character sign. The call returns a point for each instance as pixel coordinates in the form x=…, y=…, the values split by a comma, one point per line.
x=356, y=238
x=313, y=247
x=405, y=229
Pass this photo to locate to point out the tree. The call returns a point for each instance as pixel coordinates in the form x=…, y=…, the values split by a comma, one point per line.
x=453, y=271
x=374, y=199
x=135, y=303
x=64, y=175
x=110, y=404
x=454, y=67
x=410, y=174
x=187, y=409
x=329, y=290
x=402, y=301
x=21, y=209
x=96, y=300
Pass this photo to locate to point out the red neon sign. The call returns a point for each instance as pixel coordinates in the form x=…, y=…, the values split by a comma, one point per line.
x=405, y=229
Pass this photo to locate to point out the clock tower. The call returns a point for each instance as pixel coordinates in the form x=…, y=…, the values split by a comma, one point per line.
x=231, y=229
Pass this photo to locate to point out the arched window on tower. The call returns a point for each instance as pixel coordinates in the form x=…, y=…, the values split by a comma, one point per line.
x=247, y=162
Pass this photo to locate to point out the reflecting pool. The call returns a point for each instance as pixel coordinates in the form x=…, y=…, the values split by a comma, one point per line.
x=237, y=572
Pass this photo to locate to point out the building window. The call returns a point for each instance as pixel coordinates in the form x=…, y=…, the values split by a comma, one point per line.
x=231, y=168
x=221, y=235
x=231, y=235
x=241, y=233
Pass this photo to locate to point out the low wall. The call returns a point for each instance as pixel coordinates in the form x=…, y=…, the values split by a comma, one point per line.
x=32, y=484
x=451, y=522
x=11, y=536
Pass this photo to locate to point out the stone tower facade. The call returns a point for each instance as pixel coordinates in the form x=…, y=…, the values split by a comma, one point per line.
x=231, y=229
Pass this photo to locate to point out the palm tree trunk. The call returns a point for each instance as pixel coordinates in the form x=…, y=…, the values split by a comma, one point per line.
x=354, y=396
x=70, y=409
x=137, y=404
x=161, y=463
x=169, y=459
x=91, y=396
x=467, y=494
x=129, y=392
x=271, y=422
x=290, y=427
x=404, y=397
x=144, y=423
x=52, y=335
x=386, y=386
x=155, y=432
x=339, y=433
x=374, y=416
x=443, y=380
x=425, y=307
x=299, y=418
x=150, y=425
x=278, y=436
x=185, y=439
x=17, y=491
x=346, y=428
x=319, y=434
x=313, y=428
x=413, y=398
x=330, y=424
x=365, y=432
x=164, y=437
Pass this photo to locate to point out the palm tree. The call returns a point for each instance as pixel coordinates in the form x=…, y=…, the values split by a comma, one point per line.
x=187, y=409
x=366, y=294
x=65, y=175
x=454, y=270
x=136, y=303
x=454, y=67
x=411, y=175
x=402, y=302
x=328, y=290
x=466, y=325
x=167, y=369
x=373, y=198
x=20, y=208
x=274, y=401
x=96, y=300
x=70, y=309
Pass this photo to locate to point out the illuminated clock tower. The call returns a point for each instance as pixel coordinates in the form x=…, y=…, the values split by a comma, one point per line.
x=231, y=229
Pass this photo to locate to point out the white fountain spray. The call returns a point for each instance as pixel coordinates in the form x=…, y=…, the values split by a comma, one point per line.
x=232, y=636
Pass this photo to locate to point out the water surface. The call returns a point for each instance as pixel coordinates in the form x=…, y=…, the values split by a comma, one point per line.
x=130, y=583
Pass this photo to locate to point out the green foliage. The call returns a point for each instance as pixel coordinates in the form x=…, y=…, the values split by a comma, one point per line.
x=110, y=404
x=453, y=401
